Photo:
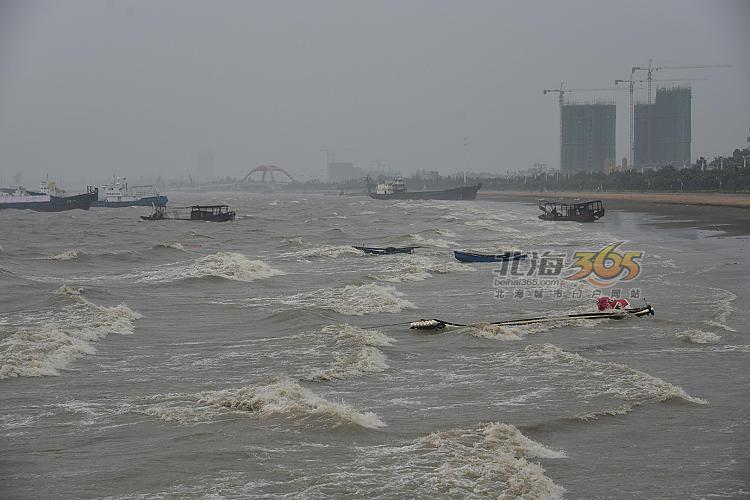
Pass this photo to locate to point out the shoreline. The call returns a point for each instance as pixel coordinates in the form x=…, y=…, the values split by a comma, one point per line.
x=728, y=214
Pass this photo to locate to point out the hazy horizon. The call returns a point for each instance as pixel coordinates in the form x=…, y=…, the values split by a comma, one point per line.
x=90, y=88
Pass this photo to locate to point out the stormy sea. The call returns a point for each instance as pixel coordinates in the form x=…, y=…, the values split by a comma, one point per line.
x=267, y=357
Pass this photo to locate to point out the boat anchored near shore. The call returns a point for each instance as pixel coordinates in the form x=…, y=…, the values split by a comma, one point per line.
x=49, y=198
x=396, y=190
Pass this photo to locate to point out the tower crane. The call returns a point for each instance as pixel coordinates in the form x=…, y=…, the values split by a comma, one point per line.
x=561, y=100
x=651, y=69
x=631, y=89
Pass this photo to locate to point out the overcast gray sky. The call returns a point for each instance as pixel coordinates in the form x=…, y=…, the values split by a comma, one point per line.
x=88, y=88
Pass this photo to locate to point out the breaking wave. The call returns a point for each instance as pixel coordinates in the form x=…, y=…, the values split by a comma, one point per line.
x=490, y=460
x=502, y=332
x=698, y=337
x=632, y=387
x=281, y=397
x=359, y=335
x=173, y=245
x=350, y=365
x=226, y=265
x=46, y=343
x=67, y=255
x=323, y=251
x=433, y=242
x=354, y=300
x=417, y=268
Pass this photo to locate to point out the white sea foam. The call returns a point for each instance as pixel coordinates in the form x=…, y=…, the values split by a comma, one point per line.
x=332, y=251
x=66, y=255
x=632, y=387
x=44, y=344
x=350, y=365
x=417, y=268
x=503, y=332
x=227, y=265
x=359, y=335
x=722, y=304
x=698, y=337
x=353, y=300
x=491, y=460
x=432, y=242
x=171, y=244
x=281, y=397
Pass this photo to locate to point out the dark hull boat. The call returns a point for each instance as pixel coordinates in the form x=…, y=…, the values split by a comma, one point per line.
x=459, y=193
x=41, y=202
x=578, y=212
x=207, y=213
x=483, y=257
x=385, y=250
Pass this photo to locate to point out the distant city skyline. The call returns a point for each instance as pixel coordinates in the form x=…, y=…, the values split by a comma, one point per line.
x=89, y=88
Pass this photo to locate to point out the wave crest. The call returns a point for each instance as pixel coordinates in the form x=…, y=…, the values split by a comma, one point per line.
x=698, y=337
x=280, y=397
x=226, y=265
x=43, y=345
x=66, y=255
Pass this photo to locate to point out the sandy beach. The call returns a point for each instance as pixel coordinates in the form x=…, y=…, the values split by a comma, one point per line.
x=729, y=214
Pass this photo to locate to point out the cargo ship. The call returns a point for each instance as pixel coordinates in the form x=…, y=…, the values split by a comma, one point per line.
x=48, y=199
x=119, y=194
x=396, y=190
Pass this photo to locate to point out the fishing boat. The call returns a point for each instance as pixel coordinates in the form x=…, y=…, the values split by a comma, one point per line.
x=587, y=211
x=208, y=213
x=396, y=190
x=488, y=257
x=610, y=313
x=119, y=194
x=385, y=250
x=48, y=199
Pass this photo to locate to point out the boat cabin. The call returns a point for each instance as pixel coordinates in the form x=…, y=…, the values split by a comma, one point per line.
x=215, y=213
x=391, y=187
x=587, y=211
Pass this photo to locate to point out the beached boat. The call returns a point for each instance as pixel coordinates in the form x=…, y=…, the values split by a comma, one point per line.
x=120, y=194
x=47, y=199
x=385, y=250
x=587, y=211
x=208, y=213
x=488, y=257
x=396, y=190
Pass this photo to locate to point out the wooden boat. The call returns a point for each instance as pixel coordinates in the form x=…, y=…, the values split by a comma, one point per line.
x=385, y=250
x=587, y=211
x=436, y=324
x=209, y=213
x=484, y=257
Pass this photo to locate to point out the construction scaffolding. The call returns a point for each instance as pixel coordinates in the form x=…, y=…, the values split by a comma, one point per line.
x=588, y=136
x=663, y=129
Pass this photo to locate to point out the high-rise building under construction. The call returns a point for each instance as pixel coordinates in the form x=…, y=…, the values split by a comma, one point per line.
x=663, y=129
x=588, y=136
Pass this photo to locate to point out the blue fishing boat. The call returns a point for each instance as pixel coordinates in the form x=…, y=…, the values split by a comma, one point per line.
x=484, y=257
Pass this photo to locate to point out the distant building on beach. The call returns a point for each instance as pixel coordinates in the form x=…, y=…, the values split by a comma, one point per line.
x=662, y=130
x=588, y=136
